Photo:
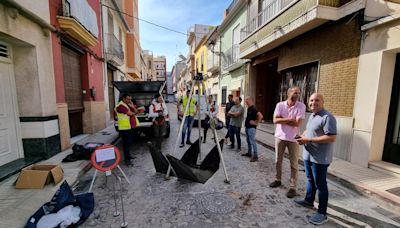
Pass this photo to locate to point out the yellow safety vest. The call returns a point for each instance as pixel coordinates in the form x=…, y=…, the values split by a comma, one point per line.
x=191, y=106
x=124, y=122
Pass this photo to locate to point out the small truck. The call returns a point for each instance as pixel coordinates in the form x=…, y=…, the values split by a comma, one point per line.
x=142, y=93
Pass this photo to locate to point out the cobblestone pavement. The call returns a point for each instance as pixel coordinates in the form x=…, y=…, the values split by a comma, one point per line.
x=150, y=201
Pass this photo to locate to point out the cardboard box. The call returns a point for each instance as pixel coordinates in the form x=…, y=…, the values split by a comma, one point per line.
x=37, y=176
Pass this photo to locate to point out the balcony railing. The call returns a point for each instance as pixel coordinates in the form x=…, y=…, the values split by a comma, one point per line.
x=231, y=56
x=264, y=16
x=114, y=49
x=212, y=62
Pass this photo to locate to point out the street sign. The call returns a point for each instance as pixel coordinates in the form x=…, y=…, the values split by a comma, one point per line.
x=106, y=158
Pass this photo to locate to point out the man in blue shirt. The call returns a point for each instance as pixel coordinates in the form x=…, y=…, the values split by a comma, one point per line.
x=318, y=141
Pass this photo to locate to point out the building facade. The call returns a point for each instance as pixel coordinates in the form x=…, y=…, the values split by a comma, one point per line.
x=133, y=49
x=29, y=122
x=213, y=42
x=78, y=67
x=232, y=67
x=331, y=47
x=149, y=61
x=160, y=65
x=375, y=135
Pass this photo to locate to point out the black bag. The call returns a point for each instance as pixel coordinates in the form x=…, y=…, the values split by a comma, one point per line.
x=62, y=198
x=81, y=152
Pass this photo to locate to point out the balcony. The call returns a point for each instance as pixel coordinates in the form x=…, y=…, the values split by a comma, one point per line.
x=231, y=58
x=114, y=50
x=283, y=20
x=212, y=63
x=79, y=21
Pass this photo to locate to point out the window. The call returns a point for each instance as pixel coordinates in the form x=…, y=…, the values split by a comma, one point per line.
x=223, y=95
x=305, y=77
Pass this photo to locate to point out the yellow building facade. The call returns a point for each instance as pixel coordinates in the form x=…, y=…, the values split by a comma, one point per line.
x=200, y=59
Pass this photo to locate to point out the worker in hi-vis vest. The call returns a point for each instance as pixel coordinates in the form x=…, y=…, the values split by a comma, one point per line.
x=158, y=111
x=187, y=126
x=126, y=122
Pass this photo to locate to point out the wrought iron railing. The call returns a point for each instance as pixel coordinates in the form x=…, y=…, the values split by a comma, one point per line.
x=231, y=56
x=114, y=47
x=265, y=15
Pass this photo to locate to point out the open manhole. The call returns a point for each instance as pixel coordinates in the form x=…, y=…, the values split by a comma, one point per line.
x=217, y=203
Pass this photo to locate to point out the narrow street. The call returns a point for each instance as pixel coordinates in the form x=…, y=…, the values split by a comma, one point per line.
x=248, y=201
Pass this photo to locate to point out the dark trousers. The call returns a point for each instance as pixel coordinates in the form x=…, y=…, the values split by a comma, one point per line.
x=316, y=180
x=205, y=125
x=227, y=123
x=235, y=131
x=159, y=131
x=187, y=126
x=127, y=137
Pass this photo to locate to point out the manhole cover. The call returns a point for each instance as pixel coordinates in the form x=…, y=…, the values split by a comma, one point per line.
x=217, y=203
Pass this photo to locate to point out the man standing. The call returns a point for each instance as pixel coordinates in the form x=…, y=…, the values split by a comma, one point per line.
x=252, y=119
x=236, y=115
x=318, y=141
x=125, y=111
x=211, y=113
x=158, y=111
x=288, y=116
x=188, y=124
x=228, y=107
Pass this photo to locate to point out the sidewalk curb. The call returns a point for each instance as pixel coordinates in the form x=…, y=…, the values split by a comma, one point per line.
x=363, y=189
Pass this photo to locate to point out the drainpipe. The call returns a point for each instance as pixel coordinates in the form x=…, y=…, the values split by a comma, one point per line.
x=105, y=75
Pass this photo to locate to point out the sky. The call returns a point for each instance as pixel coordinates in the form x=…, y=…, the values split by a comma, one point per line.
x=178, y=15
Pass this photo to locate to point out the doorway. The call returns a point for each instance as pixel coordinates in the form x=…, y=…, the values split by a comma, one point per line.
x=391, y=152
x=111, y=95
x=9, y=140
x=73, y=90
x=267, y=88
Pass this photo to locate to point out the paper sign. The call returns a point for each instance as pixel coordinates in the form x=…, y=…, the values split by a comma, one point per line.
x=92, y=145
x=105, y=154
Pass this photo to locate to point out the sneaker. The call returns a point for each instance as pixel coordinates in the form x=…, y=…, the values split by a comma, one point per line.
x=254, y=159
x=275, y=184
x=291, y=193
x=204, y=141
x=318, y=219
x=182, y=145
x=232, y=146
x=246, y=155
x=189, y=143
x=304, y=203
x=239, y=150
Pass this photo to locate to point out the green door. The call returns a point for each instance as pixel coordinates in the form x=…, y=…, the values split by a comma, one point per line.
x=391, y=151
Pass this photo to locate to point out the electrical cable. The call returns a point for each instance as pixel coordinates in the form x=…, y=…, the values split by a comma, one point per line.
x=152, y=23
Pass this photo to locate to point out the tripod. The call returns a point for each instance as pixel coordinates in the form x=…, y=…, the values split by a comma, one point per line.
x=198, y=80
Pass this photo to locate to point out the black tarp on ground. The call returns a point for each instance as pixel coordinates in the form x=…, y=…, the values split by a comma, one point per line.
x=160, y=162
x=186, y=168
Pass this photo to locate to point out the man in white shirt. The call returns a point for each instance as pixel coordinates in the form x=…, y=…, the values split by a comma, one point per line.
x=158, y=111
x=211, y=113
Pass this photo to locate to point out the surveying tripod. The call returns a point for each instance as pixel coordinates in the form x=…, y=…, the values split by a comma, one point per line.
x=199, y=81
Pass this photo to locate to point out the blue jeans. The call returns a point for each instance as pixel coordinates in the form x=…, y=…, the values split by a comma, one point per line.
x=251, y=141
x=316, y=180
x=235, y=131
x=187, y=126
